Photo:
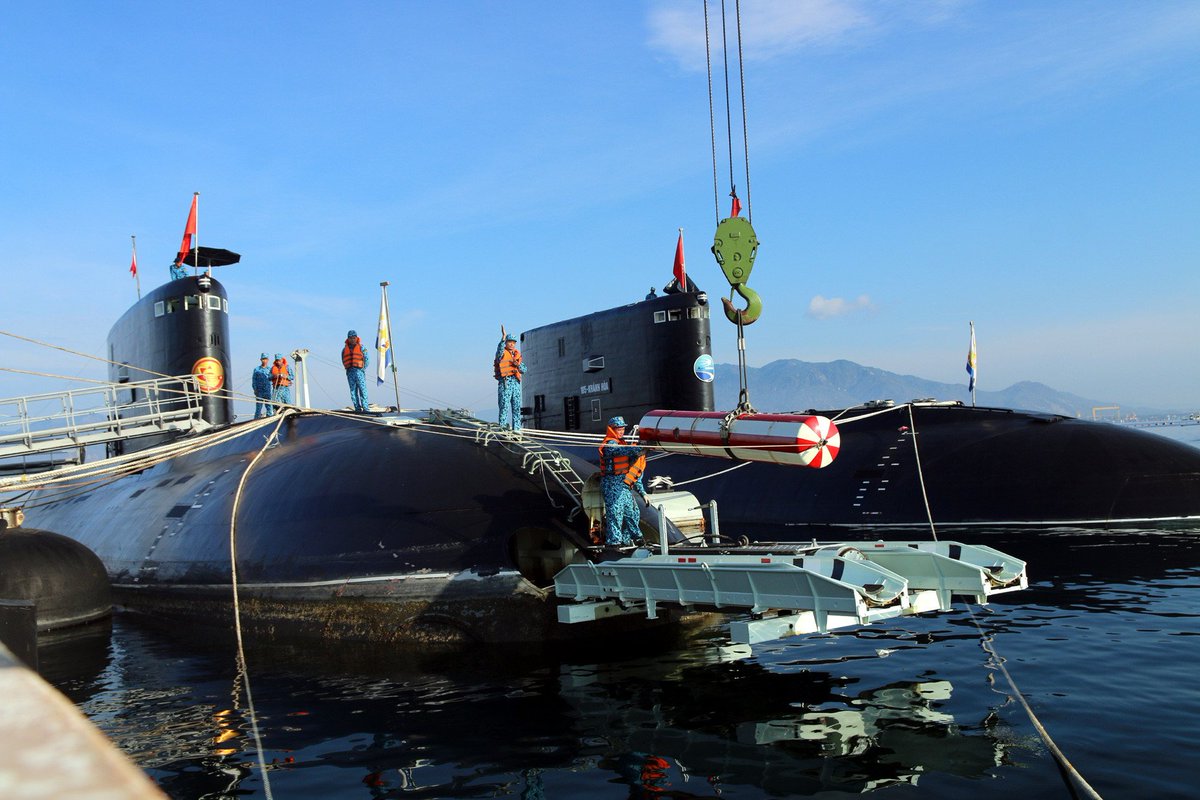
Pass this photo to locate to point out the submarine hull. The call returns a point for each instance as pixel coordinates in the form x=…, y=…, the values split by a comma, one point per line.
x=957, y=466
x=343, y=528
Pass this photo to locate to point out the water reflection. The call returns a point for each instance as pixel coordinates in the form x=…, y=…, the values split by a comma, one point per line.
x=687, y=719
x=689, y=716
x=786, y=733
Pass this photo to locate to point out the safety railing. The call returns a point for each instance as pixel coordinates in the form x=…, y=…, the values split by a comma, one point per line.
x=81, y=417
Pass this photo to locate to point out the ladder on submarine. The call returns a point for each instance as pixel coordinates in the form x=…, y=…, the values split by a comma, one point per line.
x=535, y=457
x=80, y=417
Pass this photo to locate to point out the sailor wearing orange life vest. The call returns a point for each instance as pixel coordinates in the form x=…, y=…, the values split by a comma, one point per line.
x=508, y=371
x=354, y=359
x=621, y=468
x=281, y=382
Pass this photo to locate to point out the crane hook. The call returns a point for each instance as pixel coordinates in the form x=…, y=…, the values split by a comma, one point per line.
x=750, y=313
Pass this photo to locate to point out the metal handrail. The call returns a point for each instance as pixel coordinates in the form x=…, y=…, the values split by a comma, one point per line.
x=97, y=414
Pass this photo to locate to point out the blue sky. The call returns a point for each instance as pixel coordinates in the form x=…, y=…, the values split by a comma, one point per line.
x=914, y=166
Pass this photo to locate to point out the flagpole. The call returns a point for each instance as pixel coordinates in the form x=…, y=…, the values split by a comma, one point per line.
x=136, y=277
x=387, y=314
x=196, y=239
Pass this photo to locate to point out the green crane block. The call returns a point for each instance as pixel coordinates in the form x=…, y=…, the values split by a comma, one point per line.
x=735, y=246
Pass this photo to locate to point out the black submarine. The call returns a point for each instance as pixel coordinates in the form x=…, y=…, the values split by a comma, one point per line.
x=403, y=525
x=900, y=466
x=428, y=526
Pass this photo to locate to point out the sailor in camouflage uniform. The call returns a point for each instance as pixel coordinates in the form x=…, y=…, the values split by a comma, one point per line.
x=281, y=380
x=354, y=359
x=260, y=382
x=621, y=467
x=508, y=371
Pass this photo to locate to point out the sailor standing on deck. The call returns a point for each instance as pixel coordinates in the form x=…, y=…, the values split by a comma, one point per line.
x=281, y=381
x=354, y=359
x=260, y=381
x=508, y=371
x=621, y=468
x=177, y=270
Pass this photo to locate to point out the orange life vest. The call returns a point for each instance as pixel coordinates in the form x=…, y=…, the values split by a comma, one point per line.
x=279, y=374
x=509, y=363
x=635, y=470
x=352, y=356
x=611, y=464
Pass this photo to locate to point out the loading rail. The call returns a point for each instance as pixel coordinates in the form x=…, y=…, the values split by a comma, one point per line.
x=789, y=588
x=80, y=417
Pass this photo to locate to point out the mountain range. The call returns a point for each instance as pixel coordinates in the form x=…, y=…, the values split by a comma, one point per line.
x=794, y=385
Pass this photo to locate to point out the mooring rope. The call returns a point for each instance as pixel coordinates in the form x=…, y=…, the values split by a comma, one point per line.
x=1074, y=778
x=912, y=432
x=237, y=607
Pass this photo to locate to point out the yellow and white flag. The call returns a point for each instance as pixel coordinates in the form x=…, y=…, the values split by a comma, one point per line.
x=971, y=361
x=383, y=340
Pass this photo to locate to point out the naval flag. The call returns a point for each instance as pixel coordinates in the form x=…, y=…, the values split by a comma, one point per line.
x=971, y=361
x=680, y=272
x=189, y=231
x=383, y=340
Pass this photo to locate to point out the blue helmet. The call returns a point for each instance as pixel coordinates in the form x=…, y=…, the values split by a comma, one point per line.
x=351, y=334
x=278, y=356
x=264, y=355
x=510, y=338
x=617, y=422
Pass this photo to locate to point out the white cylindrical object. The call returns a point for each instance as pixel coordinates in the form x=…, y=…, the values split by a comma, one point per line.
x=797, y=439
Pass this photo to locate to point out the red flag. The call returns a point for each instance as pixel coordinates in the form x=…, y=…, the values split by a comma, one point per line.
x=189, y=231
x=680, y=272
x=133, y=265
x=737, y=206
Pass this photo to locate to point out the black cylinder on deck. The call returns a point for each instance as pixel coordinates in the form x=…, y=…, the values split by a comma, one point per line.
x=64, y=578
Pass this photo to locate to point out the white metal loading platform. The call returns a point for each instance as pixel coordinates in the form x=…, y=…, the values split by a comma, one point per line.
x=789, y=588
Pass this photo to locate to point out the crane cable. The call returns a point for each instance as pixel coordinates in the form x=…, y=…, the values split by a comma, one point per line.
x=741, y=67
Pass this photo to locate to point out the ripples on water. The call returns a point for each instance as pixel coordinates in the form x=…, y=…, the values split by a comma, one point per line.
x=1104, y=645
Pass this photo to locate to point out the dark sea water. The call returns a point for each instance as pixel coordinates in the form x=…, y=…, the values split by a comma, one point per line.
x=1105, y=646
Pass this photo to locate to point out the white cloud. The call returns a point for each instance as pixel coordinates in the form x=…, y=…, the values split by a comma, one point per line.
x=773, y=30
x=826, y=307
x=770, y=30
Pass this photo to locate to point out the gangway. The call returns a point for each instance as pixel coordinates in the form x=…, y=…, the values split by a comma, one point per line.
x=789, y=588
x=80, y=417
